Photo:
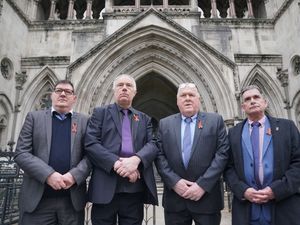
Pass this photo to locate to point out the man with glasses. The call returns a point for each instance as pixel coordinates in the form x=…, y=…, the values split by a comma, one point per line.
x=120, y=145
x=193, y=153
x=50, y=152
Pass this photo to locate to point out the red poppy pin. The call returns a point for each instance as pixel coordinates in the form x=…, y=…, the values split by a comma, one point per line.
x=269, y=131
x=136, y=117
x=200, y=125
x=74, y=127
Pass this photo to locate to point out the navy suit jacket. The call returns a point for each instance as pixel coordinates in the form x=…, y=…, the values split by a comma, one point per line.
x=208, y=159
x=285, y=180
x=103, y=142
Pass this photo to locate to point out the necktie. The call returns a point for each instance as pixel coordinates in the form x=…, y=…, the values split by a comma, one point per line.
x=187, y=142
x=126, y=150
x=255, y=149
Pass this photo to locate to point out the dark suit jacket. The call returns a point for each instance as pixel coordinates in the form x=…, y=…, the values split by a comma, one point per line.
x=208, y=159
x=103, y=143
x=32, y=155
x=286, y=174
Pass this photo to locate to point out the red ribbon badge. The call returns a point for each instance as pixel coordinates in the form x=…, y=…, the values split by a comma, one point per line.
x=74, y=128
x=200, y=126
x=269, y=131
x=136, y=117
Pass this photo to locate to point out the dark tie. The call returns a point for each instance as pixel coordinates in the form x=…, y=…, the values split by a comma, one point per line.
x=187, y=142
x=60, y=116
x=126, y=150
x=255, y=149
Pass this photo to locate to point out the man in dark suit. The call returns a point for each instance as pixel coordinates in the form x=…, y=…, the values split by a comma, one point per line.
x=120, y=146
x=264, y=166
x=193, y=153
x=50, y=151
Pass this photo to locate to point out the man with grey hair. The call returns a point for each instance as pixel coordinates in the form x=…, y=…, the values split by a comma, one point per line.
x=264, y=167
x=120, y=145
x=193, y=151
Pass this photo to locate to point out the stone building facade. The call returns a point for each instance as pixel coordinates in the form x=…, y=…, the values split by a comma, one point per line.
x=220, y=45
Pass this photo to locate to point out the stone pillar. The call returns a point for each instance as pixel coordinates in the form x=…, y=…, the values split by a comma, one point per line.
x=88, y=14
x=283, y=77
x=52, y=10
x=232, y=9
x=70, y=10
x=250, y=9
x=33, y=13
x=194, y=5
x=214, y=12
x=165, y=4
x=137, y=4
x=108, y=5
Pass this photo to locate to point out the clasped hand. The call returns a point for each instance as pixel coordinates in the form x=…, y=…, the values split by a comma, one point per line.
x=58, y=181
x=259, y=196
x=127, y=167
x=188, y=190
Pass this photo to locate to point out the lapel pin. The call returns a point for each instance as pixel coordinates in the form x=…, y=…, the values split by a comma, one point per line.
x=74, y=127
x=269, y=131
x=277, y=128
x=200, y=126
x=136, y=117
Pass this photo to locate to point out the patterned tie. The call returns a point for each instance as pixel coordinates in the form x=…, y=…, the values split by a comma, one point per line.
x=126, y=150
x=255, y=148
x=187, y=142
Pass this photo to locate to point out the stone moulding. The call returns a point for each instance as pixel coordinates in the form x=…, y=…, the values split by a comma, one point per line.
x=45, y=60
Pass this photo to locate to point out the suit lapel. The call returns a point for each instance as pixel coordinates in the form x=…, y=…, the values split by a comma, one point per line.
x=246, y=139
x=267, y=137
x=113, y=109
x=177, y=131
x=48, y=128
x=74, y=128
x=200, y=123
x=135, y=124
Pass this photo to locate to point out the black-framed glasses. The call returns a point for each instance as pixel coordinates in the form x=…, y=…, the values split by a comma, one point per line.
x=59, y=91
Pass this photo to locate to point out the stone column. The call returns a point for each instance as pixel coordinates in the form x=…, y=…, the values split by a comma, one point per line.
x=232, y=9
x=33, y=13
x=250, y=9
x=214, y=8
x=283, y=77
x=88, y=14
x=137, y=4
x=108, y=6
x=194, y=5
x=70, y=10
x=165, y=4
x=52, y=10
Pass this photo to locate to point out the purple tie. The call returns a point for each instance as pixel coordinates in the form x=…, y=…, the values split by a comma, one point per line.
x=126, y=150
x=255, y=148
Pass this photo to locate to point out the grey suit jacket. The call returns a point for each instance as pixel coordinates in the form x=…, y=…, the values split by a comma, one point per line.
x=208, y=159
x=32, y=155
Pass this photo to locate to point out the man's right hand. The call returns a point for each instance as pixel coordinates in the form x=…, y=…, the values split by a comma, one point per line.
x=181, y=186
x=56, y=181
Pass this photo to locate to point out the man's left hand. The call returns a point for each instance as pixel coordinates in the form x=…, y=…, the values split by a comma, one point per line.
x=127, y=166
x=68, y=180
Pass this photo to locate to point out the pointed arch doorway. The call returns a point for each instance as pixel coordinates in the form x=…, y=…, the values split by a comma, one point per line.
x=156, y=96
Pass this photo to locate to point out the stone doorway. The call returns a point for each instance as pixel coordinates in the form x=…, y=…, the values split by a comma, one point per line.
x=156, y=96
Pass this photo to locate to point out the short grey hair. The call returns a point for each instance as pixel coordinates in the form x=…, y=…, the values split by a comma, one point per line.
x=251, y=87
x=121, y=76
x=187, y=85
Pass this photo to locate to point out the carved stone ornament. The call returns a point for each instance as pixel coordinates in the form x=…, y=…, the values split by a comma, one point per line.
x=296, y=65
x=21, y=78
x=6, y=68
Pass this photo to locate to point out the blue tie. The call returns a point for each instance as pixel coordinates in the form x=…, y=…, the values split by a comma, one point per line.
x=126, y=149
x=255, y=148
x=187, y=142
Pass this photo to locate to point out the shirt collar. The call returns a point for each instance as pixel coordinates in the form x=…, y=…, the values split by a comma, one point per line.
x=53, y=110
x=261, y=121
x=194, y=117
